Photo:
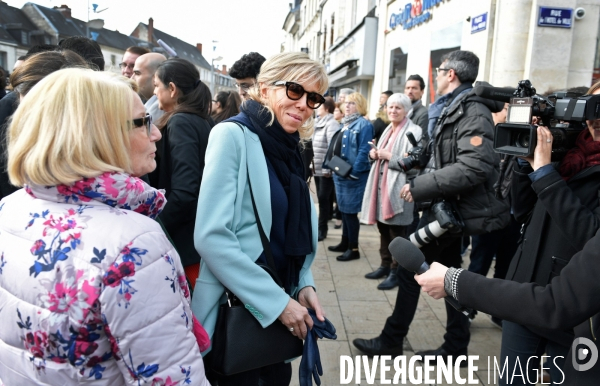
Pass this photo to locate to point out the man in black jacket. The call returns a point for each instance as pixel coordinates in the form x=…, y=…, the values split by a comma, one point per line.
x=414, y=89
x=462, y=169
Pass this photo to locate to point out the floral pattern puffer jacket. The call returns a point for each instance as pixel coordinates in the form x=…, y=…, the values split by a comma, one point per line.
x=91, y=290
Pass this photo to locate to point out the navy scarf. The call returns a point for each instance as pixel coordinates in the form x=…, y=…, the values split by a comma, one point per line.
x=282, y=151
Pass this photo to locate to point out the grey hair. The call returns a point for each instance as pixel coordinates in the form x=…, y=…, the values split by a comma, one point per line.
x=464, y=63
x=400, y=99
x=346, y=91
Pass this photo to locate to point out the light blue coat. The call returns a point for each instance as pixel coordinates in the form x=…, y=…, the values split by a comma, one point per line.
x=226, y=233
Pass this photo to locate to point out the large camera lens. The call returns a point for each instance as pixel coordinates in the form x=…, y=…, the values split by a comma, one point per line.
x=523, y=140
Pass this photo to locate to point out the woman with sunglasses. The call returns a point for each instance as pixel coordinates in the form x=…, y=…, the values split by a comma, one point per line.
x=82, y=262
x=255, y=156
x=186, y=102
x=351, y=143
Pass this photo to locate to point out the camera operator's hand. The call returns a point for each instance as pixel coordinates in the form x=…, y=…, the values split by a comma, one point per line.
x=405, y=193
x=373, y=154
x=384, y=154
x=543, y=149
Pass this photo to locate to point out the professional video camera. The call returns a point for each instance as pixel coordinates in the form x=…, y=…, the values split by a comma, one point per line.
x=563, y=113
x=418, y=156
x=445, y=220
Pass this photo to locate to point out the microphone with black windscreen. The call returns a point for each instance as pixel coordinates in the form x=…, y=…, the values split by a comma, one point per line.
x=412, y=259
x=501, y=94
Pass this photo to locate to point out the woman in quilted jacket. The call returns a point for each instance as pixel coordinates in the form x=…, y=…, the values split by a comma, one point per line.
x=91, y=290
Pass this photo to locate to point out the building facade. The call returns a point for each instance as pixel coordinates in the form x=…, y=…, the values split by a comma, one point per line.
x=373, y=45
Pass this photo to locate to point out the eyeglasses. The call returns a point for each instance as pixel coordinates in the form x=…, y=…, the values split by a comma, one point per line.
x=438, y=69
x=294, y=91
x=124, y=65
x=243, y=86
x=147, y=121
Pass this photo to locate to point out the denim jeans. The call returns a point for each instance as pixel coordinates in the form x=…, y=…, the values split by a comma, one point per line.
x=520, y=342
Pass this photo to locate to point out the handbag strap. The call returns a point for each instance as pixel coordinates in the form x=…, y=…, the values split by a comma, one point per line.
x=263, y=237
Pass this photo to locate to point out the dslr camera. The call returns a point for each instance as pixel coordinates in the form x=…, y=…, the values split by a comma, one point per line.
x=563, y=113
x=418, y=156
x=445, y=220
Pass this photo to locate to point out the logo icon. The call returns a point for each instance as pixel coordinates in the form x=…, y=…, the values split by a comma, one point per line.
x=416, y=9
x=588, y=352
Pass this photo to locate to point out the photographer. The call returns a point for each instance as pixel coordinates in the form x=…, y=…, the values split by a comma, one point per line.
x=560, y=208
x=461, y=171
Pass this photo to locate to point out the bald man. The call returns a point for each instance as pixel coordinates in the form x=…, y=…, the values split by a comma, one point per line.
x=143, y=74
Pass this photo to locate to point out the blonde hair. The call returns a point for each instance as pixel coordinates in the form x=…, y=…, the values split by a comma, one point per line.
x=291, y=67
x=75, y=123
x=593, y=89
x=359, y=101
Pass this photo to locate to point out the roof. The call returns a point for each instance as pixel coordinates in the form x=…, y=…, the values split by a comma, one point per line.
x=115, y=39
x=64, y=26
x=12, y=15
x=184, y=50
x=5, y=37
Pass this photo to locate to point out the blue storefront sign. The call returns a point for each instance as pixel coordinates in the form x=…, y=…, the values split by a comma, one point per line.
x=479, y=23
x=413, y=14
x=555, y=17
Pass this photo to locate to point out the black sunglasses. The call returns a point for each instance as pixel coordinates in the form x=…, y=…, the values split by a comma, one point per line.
x=294, y=91
x=147, y=121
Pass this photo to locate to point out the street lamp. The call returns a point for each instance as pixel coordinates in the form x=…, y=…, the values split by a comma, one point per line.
x=212, y=74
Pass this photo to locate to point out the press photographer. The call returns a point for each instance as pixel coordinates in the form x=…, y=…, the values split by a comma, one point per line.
x=558, y=204
x=461, y=171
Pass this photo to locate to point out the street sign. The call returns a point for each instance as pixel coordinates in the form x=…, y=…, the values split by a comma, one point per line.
x=555, y=17
x=479, y=23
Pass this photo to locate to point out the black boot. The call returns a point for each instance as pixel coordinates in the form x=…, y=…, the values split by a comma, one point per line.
x=341, y=247
x=322, y=235
x=378, y=273
x=389, y=283
x=350, y=254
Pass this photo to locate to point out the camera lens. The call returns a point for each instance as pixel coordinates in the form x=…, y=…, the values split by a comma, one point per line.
x=523, y=140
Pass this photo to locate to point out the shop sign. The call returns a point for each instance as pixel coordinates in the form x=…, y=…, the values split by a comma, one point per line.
x=479, y=23
x=413, y=14
x=555, y=17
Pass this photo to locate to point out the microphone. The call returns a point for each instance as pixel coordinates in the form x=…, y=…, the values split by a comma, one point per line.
x=167, y=48
x=495, y=93
x=412, y=259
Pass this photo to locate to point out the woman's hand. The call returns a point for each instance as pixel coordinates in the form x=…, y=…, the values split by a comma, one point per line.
x=373, y=154
x=432, y=281
x=384, y=154
x=308, y=298
x=543, y=149
x=296, y=316
x=405, y=193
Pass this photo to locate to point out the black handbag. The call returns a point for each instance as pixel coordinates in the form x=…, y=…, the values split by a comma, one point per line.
x=240, y=343
x=339, y=166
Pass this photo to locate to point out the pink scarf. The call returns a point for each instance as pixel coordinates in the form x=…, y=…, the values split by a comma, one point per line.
x=387, y=143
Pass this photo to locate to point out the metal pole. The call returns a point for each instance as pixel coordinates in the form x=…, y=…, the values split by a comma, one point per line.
x=212, y=77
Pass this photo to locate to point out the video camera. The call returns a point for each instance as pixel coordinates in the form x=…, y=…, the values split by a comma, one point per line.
x=563, y=113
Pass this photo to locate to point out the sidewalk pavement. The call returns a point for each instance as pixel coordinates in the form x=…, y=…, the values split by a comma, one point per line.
x=359, y=310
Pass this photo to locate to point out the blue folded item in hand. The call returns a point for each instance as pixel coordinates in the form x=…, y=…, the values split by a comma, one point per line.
x=310, y=365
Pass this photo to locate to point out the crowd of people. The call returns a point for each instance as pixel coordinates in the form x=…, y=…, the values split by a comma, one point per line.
x=135, y=206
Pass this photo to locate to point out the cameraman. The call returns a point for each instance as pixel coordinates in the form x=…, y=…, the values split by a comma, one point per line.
x=462, y=170
x=560, y=208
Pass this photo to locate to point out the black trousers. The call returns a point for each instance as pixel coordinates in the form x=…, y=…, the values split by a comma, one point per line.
x=279, y=374
x=386, y=234
x=445, y=250
x=501, y=243
x=350, y=228
x=325, y=189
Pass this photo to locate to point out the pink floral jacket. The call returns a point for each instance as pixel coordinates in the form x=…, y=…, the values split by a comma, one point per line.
x=91, y=290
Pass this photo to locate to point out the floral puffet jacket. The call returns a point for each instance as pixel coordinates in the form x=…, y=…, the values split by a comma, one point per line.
x=91, y=290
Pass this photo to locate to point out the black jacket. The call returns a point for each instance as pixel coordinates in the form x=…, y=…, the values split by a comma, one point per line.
x=8, y=105
x=419, y=116
x=560, y=217
x=466, y=165
x=180, y=163
x=570, y=301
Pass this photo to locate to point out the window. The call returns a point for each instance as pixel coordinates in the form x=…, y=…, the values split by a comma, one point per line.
x=332, y=29
x=24, y=37
x=3, y=60
x=113, y=60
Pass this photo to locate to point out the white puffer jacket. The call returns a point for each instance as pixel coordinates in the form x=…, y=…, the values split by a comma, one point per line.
x=91, y=290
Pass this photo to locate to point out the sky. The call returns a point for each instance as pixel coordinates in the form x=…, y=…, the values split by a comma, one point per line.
x=239, y=26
